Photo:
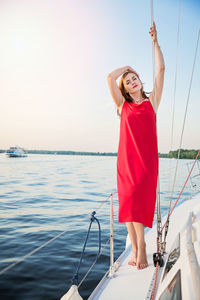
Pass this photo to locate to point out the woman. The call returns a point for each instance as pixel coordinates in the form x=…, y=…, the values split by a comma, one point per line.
x=137, y=159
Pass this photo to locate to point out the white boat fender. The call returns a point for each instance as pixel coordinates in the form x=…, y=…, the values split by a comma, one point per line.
x=72, y=294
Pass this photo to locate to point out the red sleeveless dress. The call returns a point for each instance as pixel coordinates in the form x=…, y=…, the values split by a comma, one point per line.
x=137, y=163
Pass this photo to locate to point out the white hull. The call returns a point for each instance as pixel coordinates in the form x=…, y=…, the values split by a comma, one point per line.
x=16, y=152
x=16, y=155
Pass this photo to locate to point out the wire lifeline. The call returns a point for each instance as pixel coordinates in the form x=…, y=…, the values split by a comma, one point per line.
x=111, y=195
x=31, y=253
x=92, y=219
x=182, y=187
x=105, y=245
x=100, y=206
x=45, y=244
x=95, y=261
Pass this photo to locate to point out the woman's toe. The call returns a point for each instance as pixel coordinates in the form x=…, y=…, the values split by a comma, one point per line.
x=132, y=263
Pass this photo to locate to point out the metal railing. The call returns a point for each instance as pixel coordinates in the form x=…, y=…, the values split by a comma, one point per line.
x=192, y=183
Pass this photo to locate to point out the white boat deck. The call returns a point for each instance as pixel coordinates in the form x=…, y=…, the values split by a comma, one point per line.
x=131, y=283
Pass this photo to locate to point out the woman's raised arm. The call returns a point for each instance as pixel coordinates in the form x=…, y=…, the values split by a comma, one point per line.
x=156, y=94
x=114, y=89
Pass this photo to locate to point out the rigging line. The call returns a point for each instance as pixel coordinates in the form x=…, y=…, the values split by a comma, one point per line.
x=105, y=245
x=43, y=245
x=175, y=80
x=154, y=82
x=159, y=221
x=155, y=281
x=183, y=187
x=92, y=219
x=102, y=249
x=31, y=253
x=100, y=206
x=184, y=120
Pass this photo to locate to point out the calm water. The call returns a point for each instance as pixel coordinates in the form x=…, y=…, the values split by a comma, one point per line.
x=44, y=195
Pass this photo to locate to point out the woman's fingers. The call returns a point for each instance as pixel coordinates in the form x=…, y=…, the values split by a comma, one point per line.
x=131, y=69
x=153, y=27
x=153, y=32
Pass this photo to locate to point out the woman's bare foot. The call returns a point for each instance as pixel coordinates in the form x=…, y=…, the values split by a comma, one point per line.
x=133, y=260
x=142, y=257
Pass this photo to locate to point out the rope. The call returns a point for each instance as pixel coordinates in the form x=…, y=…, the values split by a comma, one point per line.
x=75, y=277
x=156, y=273
x=92, y=219
x=105, y=245
x=182, y=188
x=100, y=206
x=45, y=244
x=102, y=249
x=155, y=282
x=100, y=252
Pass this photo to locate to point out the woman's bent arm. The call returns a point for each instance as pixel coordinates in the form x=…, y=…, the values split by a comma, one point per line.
x=114, y=89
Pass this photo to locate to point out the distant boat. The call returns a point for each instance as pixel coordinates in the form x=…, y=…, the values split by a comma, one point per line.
x=16, y=152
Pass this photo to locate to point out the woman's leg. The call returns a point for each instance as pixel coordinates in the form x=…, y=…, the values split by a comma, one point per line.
x=133, y=238
x=141, y=254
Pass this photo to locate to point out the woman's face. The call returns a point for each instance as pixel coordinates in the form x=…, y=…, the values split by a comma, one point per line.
x=132, y=83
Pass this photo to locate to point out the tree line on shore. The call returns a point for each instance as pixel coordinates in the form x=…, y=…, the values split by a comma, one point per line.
x=184, y=153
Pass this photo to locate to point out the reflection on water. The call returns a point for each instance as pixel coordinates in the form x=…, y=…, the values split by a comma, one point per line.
x=44, y=195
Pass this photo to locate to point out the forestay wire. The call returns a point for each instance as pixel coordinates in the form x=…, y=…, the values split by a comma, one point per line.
x=159, y=221
x=160, y=244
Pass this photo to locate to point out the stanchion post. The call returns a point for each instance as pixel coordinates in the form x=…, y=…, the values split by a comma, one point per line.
x=111, y=238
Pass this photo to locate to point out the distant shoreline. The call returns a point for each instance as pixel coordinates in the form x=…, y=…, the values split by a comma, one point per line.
x=184, y=153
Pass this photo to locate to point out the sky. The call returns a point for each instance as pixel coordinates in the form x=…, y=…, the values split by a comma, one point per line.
x=54, y=59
